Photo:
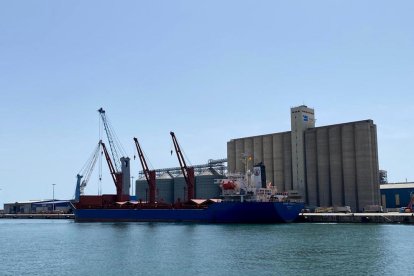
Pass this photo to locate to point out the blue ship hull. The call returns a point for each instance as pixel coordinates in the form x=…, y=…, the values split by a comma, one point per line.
x=222, y=212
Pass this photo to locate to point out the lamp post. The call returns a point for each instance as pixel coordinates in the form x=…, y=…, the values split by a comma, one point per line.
x=53, y=199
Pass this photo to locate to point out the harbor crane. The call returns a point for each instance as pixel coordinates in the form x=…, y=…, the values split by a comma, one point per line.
x=113, y=142
x=149, y=174
x=188, y=172
x=116, y=176
x=118, y=166
x=86, y=173
x=410, y=206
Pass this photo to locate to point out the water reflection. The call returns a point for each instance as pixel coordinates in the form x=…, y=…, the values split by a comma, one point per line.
x=188, y=249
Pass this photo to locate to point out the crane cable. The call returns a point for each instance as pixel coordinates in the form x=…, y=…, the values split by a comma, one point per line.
x=89, y=163
x=116, y=140
x=150, y=166
x=100, y=172
x=185, y=156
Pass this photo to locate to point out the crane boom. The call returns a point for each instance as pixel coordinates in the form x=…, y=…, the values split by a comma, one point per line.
x=116, y=176
x=90, y=168
x=110, y=135
x=86, y=173
x=149, y=174
x=188, y=172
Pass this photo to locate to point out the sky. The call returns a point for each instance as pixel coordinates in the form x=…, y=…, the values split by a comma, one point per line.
x=210, y=71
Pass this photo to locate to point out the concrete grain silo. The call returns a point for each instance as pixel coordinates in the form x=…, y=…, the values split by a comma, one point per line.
x=334, y=165
x=165, y=188
x=287, y=162
x=322, y=151
x=239, y=155
x=311, y=160
x=257, y=149
x=364, y=166
x=206, y=186
x=231, y=155
x=268, y=157
x=349, y=165
x=180, y=188
x=278, y=162
x=141, y=189
x=248, y=152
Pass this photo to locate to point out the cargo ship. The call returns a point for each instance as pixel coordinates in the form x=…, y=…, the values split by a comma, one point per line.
x=245, y=198
x=239, y=203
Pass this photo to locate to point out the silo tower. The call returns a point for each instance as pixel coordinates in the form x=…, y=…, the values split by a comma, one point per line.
x=302, y=118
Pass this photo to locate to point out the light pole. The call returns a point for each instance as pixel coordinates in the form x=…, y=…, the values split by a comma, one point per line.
x=53, y=199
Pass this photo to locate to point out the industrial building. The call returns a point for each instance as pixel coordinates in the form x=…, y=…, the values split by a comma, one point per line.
x=171, y=186
x=335, y=165
x=24, y=207
x=38, y=207
x=396, y=195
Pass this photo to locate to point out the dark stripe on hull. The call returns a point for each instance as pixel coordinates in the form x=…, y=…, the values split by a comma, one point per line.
x=224, y=212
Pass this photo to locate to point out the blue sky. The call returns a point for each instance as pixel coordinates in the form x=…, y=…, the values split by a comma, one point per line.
x=209, y=70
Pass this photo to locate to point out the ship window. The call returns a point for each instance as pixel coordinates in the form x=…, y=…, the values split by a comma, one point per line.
x=397, y=200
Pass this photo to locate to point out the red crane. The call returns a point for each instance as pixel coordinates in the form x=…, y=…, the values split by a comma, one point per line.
x=410, y=206
x=149, y=174
x=188, y=172
x=116, y=176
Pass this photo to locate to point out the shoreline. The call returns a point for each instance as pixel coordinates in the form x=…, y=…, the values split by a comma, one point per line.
x=390, y=218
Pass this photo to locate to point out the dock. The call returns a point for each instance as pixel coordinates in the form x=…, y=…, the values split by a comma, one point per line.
x=391, y=217
x=37, y=216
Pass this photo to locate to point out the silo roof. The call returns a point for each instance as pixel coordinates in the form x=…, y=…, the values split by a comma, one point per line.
x=165, y=175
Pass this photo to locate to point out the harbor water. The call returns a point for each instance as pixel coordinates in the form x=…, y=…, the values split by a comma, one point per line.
x=63, y=247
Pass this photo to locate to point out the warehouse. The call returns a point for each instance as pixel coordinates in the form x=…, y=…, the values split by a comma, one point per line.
x=24, y=207
x=335, y=165
x=57, y=206
x=38, y=207
x=396, y=195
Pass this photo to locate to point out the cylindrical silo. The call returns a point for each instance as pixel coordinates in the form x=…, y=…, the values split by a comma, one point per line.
x=322, y=147
x=375, y=165
x=268, y=157
x=165, y=188
x=278, y=164
x=180, y=189
x=364, y=168
x=287, y=161
x=239, y=156
x=206, y=185
x=248, y=151
x=311, y=168
x=141, y=189
x=348, y=164
x=258, y=149
x=231, y=156
x=335, y=156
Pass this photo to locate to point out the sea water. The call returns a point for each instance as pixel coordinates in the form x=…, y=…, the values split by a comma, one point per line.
x=63, y=247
